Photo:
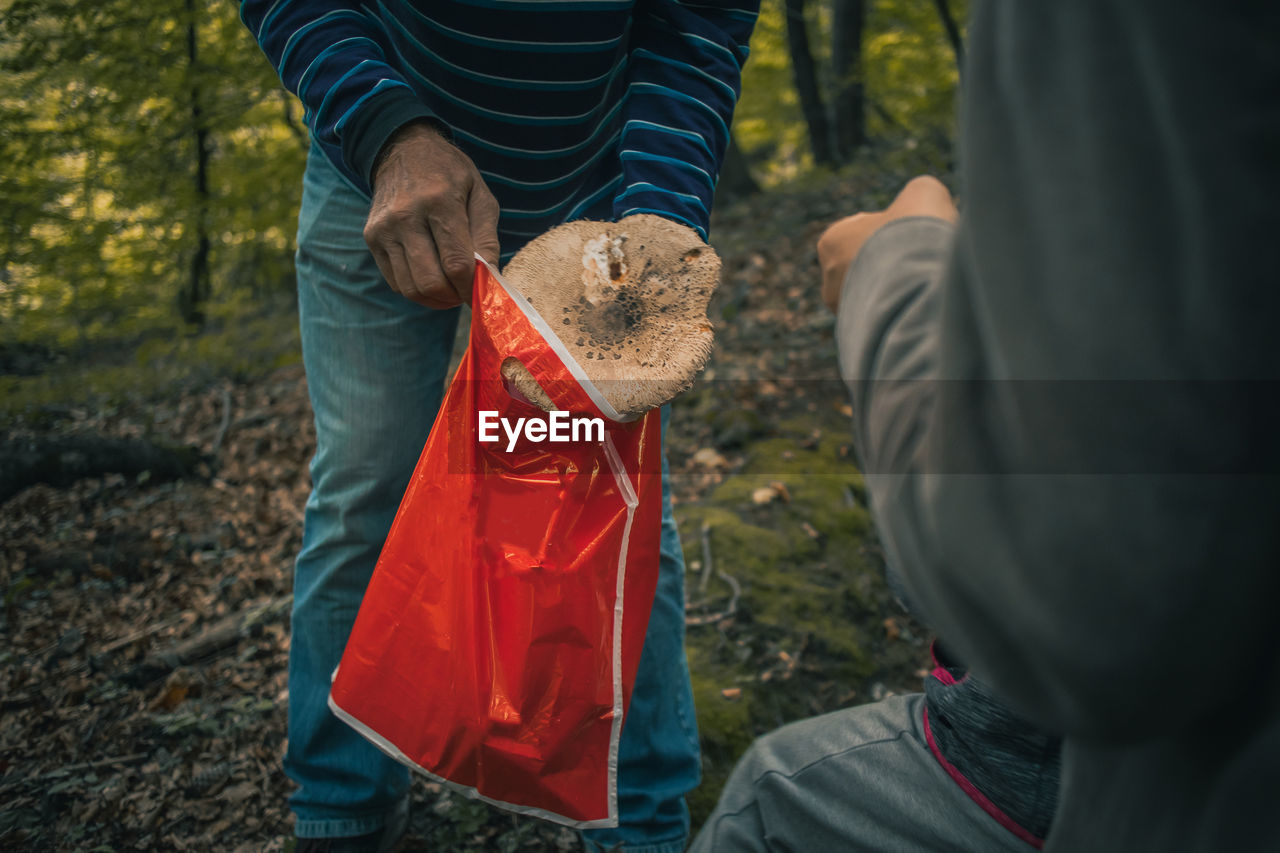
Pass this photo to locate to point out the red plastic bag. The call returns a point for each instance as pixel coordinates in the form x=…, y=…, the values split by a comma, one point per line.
x=492, y=651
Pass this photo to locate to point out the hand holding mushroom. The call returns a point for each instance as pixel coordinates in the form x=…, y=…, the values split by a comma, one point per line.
x=629, y=302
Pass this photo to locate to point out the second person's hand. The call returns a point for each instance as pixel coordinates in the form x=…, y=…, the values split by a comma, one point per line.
x=840, y=244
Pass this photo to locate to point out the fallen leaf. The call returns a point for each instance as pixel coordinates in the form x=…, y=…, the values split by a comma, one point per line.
x=170, y=697
x=776, y=490
x=709, y=457
x=764, y=495
x=239, y=793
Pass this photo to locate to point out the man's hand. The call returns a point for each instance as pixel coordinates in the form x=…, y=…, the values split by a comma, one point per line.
x=431, y=213
x=840, y=243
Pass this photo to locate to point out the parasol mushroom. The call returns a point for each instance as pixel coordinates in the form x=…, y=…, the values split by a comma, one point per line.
x=629, y=302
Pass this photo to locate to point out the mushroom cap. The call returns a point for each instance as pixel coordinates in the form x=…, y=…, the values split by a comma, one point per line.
x=629, y=301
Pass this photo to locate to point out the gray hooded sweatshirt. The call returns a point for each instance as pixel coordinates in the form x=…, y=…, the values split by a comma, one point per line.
x=1069, y=414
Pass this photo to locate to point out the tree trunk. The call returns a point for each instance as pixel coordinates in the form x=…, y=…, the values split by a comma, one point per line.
x=953, y=32
x=218, y=637
x=735, y=176
x=849, y=114
x=806, y=77
x=63, y=461
x=290, y=121
x=191, y=300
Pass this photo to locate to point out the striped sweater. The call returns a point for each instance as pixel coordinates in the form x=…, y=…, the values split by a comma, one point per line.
x=570, y=109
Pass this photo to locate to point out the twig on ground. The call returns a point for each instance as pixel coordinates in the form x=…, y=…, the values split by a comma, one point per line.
x=95, y=765
x=226, y=422
x=222, y=635
x=137, y=635
x=732, y=608
x=706, y=558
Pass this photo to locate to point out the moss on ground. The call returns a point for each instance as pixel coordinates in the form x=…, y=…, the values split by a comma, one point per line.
x=243, y=342
x=792, y=529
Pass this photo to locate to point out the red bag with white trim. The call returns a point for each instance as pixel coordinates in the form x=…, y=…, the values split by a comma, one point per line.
x=493, y=651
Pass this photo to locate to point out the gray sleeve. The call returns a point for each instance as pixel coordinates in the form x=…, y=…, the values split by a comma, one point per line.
x=889, y=334
x=1067, y=410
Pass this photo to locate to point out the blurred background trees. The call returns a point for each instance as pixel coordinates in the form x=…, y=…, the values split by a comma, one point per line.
x=150, y=162
x=831, y=82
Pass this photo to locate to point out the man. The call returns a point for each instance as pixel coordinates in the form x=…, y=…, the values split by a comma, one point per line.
x=441, y=130
x=1066, y=409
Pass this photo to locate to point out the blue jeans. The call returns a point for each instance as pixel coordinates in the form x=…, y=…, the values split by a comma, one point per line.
x=376, y=366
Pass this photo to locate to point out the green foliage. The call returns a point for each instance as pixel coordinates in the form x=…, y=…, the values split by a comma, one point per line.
x=791, y=530
x=911, y=73
x=98, y=130
x=242, y=339
x=768, y=123
x=910, y=79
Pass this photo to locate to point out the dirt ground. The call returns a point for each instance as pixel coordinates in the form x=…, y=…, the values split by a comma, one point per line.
x=143, y=671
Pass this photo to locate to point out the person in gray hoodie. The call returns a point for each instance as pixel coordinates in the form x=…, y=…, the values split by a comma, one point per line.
x=1065, y=402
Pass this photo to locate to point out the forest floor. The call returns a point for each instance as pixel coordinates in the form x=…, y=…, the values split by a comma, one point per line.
x=145, y=624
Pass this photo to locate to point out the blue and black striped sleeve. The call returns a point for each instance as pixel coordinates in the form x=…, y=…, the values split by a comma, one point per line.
x=328, y=55
x=685, y=77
